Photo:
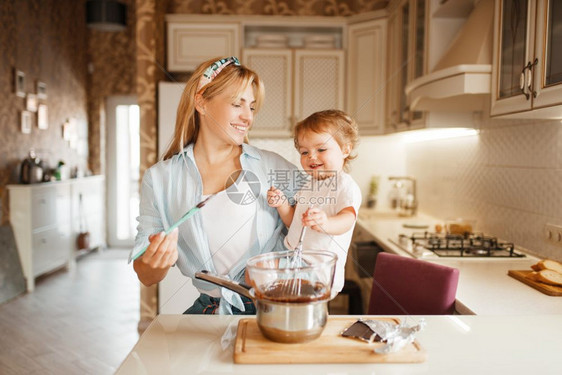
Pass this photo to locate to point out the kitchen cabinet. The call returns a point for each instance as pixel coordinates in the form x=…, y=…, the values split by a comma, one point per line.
x=190, y=44
x=304, y=75
x=45, y=220
x=527, y=66
x=360, y=264
x=299, y=82
x=366, y=75
x=406, y=61
x=275, y=67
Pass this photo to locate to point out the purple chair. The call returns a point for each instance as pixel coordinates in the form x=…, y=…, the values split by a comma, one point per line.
x=407, y=286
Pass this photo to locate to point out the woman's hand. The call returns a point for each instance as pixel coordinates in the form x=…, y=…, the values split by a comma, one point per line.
x=159, y=256
x=162, y=251
x=275, y=197
x=316, y=219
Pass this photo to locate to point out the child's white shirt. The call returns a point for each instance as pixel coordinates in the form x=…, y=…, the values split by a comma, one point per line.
x=330, y=195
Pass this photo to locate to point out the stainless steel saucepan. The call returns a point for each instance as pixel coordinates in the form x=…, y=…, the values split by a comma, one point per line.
x=291, y=300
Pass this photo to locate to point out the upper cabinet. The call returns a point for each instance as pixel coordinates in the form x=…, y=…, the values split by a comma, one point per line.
x=298, y=83
x=307, y=64
x=319, y=81
x=275, y=68
x=302, y=67
x=366, y=75
x=406, y=61
x=190, y=44
x=527, y=66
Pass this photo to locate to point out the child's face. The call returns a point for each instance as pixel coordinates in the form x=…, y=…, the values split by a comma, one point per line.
x=321, y=155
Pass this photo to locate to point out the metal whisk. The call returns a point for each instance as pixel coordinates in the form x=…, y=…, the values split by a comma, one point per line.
x=294, y=285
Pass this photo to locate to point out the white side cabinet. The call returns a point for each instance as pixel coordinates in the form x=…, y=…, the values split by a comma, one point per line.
x=190, y=44
x=299, y=82
x=45, y=224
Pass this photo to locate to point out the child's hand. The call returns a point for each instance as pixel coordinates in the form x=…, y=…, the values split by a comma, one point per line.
x=316, y=219
x=275, y=197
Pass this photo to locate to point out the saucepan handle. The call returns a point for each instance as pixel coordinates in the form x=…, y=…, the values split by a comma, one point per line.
x=236, y=287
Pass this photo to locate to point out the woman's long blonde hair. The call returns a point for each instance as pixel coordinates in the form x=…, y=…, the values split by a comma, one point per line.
x=187, y=119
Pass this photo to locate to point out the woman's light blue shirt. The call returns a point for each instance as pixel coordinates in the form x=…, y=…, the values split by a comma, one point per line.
x=173, y=186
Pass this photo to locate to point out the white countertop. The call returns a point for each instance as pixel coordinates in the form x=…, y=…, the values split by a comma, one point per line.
x=191, y=344
x=484, y=286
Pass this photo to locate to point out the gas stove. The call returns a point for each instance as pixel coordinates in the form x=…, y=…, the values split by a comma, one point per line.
x=468, y=245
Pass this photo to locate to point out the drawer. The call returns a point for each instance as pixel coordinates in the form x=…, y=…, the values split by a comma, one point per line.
x=51, y=249
x=50, y=205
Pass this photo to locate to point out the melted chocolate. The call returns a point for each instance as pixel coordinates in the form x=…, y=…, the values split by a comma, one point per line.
x=294, y=290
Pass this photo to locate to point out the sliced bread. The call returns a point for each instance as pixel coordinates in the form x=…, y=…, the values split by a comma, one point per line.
x=547, y=277
x=547, y=264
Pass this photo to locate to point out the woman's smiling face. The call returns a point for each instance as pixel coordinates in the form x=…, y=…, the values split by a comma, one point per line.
x=228, y=117
x=321, y=155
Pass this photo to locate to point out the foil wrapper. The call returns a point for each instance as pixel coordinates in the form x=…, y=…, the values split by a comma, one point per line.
x=394, y=336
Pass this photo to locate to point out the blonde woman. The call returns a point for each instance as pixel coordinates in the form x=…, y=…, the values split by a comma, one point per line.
x=209, y=154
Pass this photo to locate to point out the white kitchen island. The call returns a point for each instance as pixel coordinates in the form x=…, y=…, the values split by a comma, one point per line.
x=530, y=344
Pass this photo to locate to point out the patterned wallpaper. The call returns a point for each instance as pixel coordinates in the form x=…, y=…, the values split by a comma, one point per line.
x=112, y=71
x=276, y=7
x=44, y=39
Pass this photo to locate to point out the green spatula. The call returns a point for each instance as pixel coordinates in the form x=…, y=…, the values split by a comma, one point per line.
x=187, y=215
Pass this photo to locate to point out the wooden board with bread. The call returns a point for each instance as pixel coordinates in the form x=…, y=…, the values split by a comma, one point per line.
x=545, y=276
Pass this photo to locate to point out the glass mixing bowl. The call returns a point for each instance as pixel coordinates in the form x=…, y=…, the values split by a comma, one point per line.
x=285, y=277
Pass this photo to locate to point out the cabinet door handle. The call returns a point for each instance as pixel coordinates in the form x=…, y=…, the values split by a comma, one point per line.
x=523, y=81
x=530, y=77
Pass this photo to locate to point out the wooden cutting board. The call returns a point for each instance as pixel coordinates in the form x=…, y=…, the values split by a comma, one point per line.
x=521, y=275
x=252, y=347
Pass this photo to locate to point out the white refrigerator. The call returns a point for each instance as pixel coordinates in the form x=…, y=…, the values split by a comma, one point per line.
x=176, y=292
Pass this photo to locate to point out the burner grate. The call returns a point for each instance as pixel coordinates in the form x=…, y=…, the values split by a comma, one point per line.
x=467, y=245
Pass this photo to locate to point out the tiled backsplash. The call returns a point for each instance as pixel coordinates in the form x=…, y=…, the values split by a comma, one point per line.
x=508, y=178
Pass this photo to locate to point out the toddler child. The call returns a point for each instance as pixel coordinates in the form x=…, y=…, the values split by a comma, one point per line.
x=329, y=201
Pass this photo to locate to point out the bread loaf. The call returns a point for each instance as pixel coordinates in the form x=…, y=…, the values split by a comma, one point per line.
x=547, y=264
x=547, y=277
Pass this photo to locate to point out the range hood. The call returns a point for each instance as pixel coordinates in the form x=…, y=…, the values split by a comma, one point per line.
x=461, y=80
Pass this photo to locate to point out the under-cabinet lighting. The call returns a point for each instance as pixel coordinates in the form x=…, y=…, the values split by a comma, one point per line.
x=433, y=134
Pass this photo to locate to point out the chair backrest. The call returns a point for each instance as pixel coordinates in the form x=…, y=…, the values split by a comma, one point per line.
x=407, y=286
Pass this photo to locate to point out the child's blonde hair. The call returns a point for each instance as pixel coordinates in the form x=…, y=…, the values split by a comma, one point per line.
x=187, y=119
x=341, y=126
